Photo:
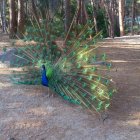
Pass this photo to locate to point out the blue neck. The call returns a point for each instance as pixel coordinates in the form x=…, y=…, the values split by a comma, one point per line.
x=44, y=77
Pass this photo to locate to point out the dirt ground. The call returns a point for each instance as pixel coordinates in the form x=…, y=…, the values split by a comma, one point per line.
x=29, y=113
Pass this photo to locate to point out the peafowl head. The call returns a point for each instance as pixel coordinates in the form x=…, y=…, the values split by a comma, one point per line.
x=47, y=71
x=43, y=67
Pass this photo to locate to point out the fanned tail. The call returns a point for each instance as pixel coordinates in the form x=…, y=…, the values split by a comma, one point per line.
x=76, y=70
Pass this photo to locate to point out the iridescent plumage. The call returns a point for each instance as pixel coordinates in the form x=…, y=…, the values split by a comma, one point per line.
x=75, y=70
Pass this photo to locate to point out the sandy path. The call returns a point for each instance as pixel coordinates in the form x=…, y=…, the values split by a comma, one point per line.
x=28, y=113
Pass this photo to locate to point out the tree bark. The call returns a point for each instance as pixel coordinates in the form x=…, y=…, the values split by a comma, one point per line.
x=133, y=17
x=82, y=16
x=13, y=18
x=21, y=18
x=121, y=17
x=3, y=16
x=34, y=10
x=110, y=17
x=67, y=15
x=94, y=15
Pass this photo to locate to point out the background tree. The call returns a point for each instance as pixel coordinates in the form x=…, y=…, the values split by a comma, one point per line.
x=133, y=15
x=109, y=7
x=67, y=14
x=82, y=16
x=93, y=2
x=121, y=16
x=113, y=17
x=12, y=18
x=3, y=15
x=21, y=17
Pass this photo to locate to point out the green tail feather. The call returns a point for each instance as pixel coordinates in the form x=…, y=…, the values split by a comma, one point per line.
x=76, y=72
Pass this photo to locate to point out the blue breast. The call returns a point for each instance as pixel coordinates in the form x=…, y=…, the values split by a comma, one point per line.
x=44, y=79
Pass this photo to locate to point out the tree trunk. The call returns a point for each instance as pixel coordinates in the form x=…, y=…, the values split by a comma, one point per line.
x=121, y=17
x=110, y=17
x=67, y=15
x=94, y=15
x=0, y=14
x=133, y=17
x=3, y=16
x=21, y=18
x=82, y=16
x=34, y=10
x=13, y=18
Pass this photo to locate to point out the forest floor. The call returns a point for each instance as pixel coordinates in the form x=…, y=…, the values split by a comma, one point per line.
x=29, y=113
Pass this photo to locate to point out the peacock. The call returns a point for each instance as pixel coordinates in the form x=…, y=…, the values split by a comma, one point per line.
x=75, y=70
